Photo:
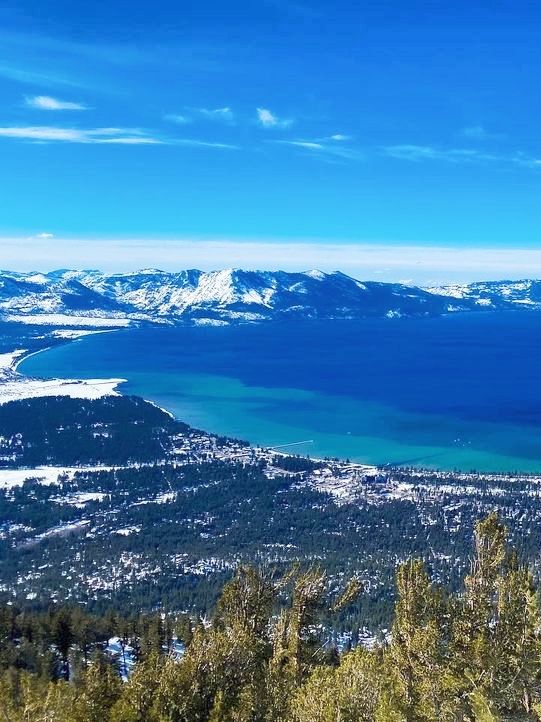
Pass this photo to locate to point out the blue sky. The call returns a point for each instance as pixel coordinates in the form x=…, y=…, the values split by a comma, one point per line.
x=291, y=131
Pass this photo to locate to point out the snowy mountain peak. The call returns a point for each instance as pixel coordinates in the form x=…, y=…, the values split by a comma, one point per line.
x=238, y=295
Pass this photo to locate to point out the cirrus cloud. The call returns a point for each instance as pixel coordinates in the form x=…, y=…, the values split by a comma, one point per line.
x=224, y=115
x=102, y=136
x=46, y=102
x=46, y=133
x=479, y=132
x=219, y=115
x=425, y=153
x=177, y=118
x=326, y=151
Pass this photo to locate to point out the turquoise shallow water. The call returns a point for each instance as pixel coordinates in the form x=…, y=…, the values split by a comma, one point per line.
x=455, y=392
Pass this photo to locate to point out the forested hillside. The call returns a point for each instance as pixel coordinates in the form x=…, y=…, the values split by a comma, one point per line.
x=472, y=655
x=114, y=504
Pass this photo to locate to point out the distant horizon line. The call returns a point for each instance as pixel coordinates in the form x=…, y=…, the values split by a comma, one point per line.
x=410, y=264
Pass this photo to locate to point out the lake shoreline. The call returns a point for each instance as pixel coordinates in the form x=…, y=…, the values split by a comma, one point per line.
x=206, y=398
x=15, y=385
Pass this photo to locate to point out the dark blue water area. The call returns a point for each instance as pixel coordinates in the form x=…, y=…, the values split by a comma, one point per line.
x=460, y=390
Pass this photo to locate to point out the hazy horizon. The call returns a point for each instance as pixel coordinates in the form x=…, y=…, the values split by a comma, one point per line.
x=416, y=265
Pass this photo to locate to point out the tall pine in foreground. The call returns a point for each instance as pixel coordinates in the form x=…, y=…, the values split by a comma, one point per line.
x=496, y=643
x=473, y=656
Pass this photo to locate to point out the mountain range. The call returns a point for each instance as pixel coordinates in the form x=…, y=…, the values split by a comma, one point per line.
x=234, y=295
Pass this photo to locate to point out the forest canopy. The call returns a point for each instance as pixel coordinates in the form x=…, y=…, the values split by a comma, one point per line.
x=265, y=657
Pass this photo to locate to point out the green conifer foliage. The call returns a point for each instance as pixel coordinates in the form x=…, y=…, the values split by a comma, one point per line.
x=137, y=702
x=348, y=693
x=101, y=689
x=472, y=656
x=419, y=684
x=496, y=643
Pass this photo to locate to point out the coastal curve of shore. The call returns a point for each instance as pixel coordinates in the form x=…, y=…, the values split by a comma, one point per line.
x=16, y=386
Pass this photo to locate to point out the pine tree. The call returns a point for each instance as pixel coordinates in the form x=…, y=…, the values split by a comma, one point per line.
x=496, y=634
x=153, y=635
x=137, y=699
x=184, y=630
x=474, y=656
x=26, y=698
x=348, y=693
x=83, y=632
x=245, y=602
x=420, y=687
x=101, y=689
x=300, y=647
x=223, y=668
x=63, y=638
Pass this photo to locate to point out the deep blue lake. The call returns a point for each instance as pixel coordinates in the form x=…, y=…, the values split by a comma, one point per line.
x=462, y=391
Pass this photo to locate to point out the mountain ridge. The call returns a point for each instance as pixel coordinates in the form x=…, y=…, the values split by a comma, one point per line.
x=236, y=296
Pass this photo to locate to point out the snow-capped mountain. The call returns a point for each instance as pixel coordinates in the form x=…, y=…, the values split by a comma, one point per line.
x=47, y=293
x=237, y=296
x=494, y=294
x=233, y=294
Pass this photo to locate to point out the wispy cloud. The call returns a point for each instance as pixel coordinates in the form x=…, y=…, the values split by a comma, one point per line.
x=41, y=237
x=420, y=153
x=46, y=102
x=219, y=115
x=32, y=45
x=178, y=118
x=44, y=133
x=479, y=132
x=324, y=149
x=224, y=115
x=309, y=144
x=37, y=77
x=204, y=144
x=339, y=137
x=130, y=140
x=269, y=120
x=47, y=62
x=103, y=136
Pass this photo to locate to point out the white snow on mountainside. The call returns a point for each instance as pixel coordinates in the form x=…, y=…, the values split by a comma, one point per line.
x=234, y=295
x=495, y=294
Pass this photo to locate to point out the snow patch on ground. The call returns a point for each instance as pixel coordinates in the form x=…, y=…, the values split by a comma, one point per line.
x=126, y=531
x=80, y=499
x=10, y=478
x=64, y=529
x=15, y=389
x=60, y=319
x=72, y=333
x=15, y=386
x=210, y=322
x=8, y=360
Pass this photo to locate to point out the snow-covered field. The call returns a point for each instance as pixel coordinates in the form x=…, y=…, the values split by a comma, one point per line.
x=61, y=319
x=14, y=386
x=73, y=333
x=10, y=478
x=22, y=388
x=9, y=360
